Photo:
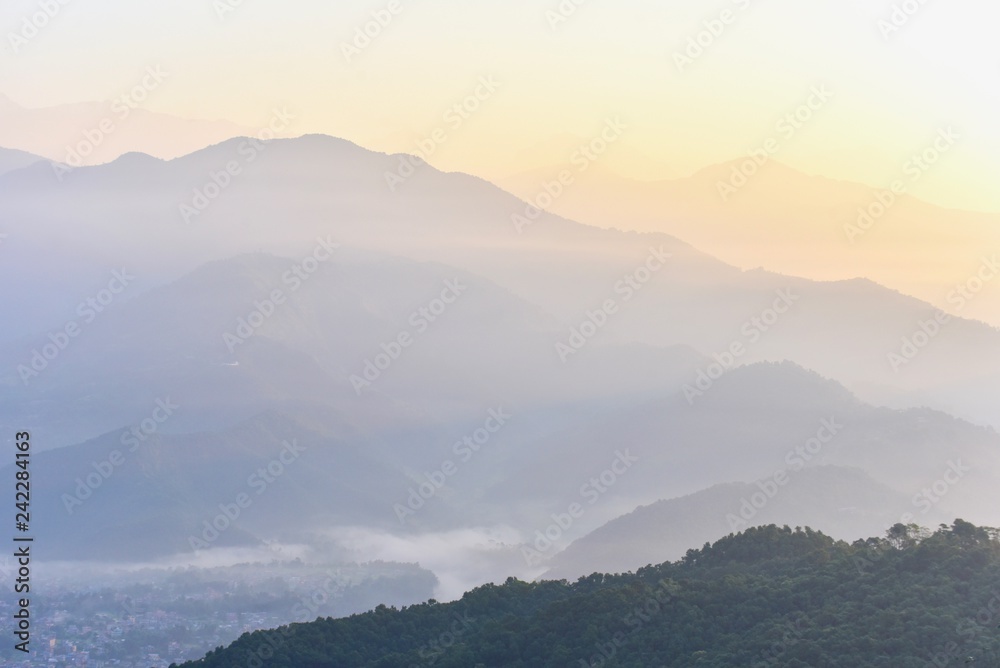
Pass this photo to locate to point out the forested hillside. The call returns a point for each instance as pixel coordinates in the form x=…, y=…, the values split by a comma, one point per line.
x=769, y=596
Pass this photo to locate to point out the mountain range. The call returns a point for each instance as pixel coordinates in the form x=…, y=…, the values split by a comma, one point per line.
x=798, y=224
x=451, y=361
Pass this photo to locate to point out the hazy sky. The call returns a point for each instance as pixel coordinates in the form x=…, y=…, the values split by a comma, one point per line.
x=893, y=89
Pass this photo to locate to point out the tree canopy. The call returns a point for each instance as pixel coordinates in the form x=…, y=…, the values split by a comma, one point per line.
x=769, y=596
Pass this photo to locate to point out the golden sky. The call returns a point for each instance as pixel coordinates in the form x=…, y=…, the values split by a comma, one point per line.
x=898, y=73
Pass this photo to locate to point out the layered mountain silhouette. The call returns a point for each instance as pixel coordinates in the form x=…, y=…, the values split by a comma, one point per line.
x=98, y=132
x=11, y=160
x=295, y=191
x=384, y=312
x=797, y=224
x=844, y=500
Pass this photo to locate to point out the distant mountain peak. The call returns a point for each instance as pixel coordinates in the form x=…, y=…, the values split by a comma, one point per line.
x=136, y=158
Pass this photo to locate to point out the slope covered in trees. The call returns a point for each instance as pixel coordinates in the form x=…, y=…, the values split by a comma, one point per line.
x=769, y=596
